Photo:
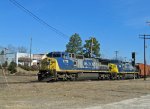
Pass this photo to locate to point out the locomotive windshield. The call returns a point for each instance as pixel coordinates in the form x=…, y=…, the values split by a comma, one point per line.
x=53, y=55
x=56, y=54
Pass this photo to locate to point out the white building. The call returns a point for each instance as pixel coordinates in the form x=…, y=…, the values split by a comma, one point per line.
x=23, y=58
x=37, y=58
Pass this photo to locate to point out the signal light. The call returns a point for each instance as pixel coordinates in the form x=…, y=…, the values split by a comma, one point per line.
x=133, y=58
x=133, y=55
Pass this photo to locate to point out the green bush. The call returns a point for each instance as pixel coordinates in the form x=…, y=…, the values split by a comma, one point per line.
x=12, y=67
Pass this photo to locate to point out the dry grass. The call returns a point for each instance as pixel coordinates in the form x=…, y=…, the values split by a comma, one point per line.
x=25, y=92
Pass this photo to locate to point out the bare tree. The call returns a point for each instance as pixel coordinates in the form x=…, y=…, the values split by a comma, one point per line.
x=11, y=48
x=22, y=49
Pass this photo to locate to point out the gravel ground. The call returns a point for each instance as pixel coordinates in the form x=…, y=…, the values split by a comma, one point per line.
x=25, y=92
x=136, y=103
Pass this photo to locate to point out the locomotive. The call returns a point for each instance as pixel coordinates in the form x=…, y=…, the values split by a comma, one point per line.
x=68, y=66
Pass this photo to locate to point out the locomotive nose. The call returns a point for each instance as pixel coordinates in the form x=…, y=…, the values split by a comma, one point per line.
x=113, y=68
x=52, y=64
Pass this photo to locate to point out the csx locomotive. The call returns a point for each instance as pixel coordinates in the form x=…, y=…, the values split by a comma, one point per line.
x=68, y=66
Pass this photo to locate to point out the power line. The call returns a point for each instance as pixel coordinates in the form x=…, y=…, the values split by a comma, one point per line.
x=38, y=19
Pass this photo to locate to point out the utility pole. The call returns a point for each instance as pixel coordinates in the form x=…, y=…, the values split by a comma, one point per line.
x=3, y=69
x=91, y=46
x=30, y=50
x=116, y=52
x=145, y=38
x=133, y=62
x=125, y=59
x=5, y=49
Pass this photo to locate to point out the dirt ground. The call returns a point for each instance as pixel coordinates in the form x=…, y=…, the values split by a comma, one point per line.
x=25, y=92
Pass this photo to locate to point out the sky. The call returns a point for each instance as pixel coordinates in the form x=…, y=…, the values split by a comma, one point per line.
x=116, y=24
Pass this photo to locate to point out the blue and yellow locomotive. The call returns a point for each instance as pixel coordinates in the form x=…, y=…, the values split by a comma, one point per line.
x=68, y=66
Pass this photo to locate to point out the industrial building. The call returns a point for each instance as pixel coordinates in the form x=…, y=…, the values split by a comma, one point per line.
x=20, y=58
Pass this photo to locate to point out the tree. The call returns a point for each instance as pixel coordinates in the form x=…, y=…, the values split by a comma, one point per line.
x=2, y=52
x=2, y=57
x=75, y=44
x=12, y=67
x=4, y=65
x=93, y=44
x=12, y=48
x=22, y=49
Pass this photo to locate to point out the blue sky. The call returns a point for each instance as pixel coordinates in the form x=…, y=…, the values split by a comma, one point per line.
x=115, y=23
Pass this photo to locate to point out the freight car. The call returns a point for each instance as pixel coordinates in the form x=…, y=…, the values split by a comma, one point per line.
x=140, y=68
x=68, y=66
